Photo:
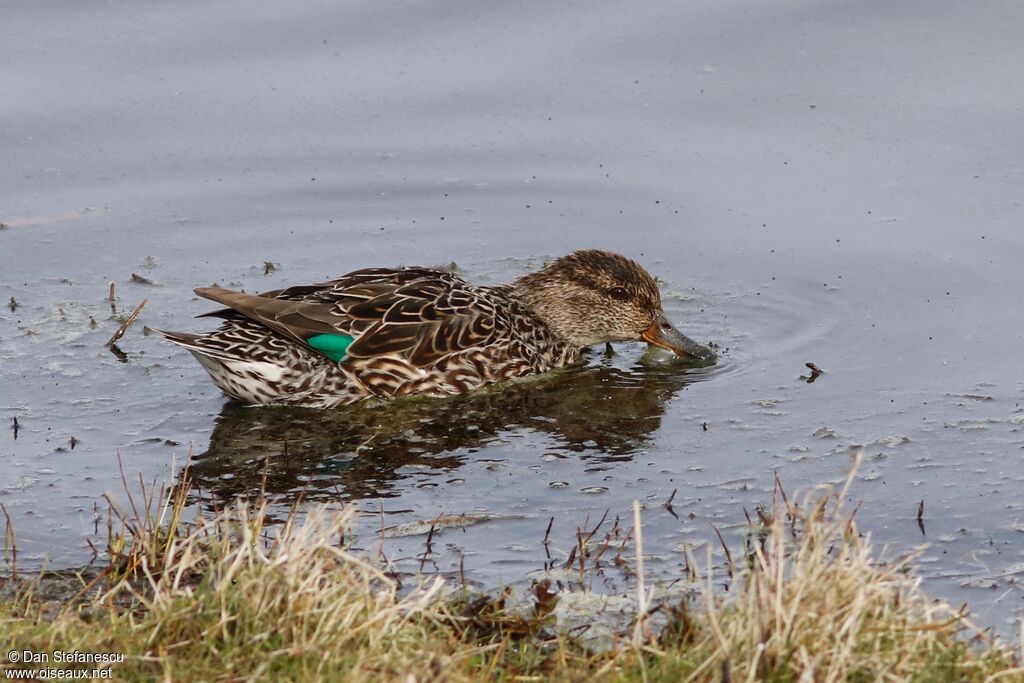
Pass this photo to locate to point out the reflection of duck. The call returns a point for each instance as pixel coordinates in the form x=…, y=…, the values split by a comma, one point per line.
x=383, y=333
x=600, y=411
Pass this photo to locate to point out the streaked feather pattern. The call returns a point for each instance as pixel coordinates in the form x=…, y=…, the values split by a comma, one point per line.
x=414, y=330
x=384, y=332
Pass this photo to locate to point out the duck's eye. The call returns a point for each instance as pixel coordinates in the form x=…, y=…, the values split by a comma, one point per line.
x=618, y=293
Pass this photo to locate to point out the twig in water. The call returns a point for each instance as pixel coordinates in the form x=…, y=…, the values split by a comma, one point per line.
x=10, y=541
x=691, y=563
x=429, y=550
x=728, y=555
x=128, y=491
x=789, y=509
x=546, y=543
x=127, y=321
x=380, y=546
x=641, y=591
x=920, y=516
x=591, y=534
x=583, y=554
x=600, y=551
x=668, y=504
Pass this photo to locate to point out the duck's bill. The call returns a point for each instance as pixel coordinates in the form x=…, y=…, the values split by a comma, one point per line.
x=664, y=334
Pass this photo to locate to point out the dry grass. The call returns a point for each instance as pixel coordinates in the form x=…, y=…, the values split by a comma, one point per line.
x=815, y=605
x=225, y=598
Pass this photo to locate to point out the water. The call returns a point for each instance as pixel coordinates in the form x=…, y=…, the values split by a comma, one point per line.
x=816, y=182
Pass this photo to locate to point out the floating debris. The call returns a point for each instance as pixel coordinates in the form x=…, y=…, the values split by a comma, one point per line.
x=13, y=304
x=73, y=441
x=815, y=373
x=269, y=267
x=968, y=425
x=15, y=426
x=766, y=402
x=443, y=522
x=920, y=516
x=25, y=482
x=121, y=356
x=972, y=397
x=141, y=280
x=546, y=599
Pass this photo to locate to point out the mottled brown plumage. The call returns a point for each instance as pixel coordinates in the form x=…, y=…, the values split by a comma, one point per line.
x=394, y=332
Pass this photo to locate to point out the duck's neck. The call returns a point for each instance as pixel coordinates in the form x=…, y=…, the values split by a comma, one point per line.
x=544, y=302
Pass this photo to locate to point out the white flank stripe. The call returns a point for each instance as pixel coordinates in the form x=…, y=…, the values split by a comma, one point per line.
x=268, y=371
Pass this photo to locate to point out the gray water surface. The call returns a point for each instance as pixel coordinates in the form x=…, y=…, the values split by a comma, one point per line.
x=828, y=182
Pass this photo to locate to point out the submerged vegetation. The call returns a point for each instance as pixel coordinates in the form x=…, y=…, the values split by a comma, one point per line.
x=226, y=597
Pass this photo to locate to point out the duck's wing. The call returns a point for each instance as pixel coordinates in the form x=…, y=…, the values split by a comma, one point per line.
x=417, y=314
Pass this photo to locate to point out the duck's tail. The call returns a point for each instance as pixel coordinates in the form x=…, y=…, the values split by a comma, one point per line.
x=194, y=343
x=248, y=381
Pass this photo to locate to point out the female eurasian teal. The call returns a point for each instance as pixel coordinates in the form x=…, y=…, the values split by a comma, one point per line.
x=385, y=332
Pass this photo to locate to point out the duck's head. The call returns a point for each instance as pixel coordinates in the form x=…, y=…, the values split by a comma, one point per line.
x=593, y=296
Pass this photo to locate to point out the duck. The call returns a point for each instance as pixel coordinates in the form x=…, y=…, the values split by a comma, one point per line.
x=385, y=333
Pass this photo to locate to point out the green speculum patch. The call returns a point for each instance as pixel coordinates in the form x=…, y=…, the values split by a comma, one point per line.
x=334, y=346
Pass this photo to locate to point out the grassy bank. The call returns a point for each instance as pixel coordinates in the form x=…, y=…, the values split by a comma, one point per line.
x=225, y=598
